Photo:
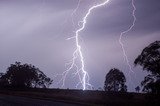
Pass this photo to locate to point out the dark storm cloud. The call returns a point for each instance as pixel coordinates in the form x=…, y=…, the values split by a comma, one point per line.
x=148, y=15
x=35, y=31
x=117, y=17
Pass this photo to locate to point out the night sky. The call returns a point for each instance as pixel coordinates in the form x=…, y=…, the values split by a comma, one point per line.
x=35, y=32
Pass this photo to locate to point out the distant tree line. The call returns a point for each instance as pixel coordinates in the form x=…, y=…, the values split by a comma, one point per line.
x=28, y=76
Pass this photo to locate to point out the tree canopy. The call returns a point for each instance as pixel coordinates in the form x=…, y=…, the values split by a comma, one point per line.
x=115, y=81
x=24, y=75
x=149, y=59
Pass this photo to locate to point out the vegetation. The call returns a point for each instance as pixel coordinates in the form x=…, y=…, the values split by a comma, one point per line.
x=19, y=76
x=149, y=59
x=115, y=81
x=28, y=76
x=137, y=89
x=24, y=76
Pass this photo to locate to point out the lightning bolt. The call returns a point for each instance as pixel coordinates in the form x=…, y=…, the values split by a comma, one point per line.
x=125, y=32
x=72, y=64
x=84, y=80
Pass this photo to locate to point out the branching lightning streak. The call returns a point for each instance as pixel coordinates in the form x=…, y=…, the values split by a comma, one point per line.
x=72, y=63
x=78, y=52
x=84, y=80
x=75, y=10
x=126, y=31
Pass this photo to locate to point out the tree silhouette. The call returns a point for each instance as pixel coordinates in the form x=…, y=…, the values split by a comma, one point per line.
x=137, y=89
x=115, y=81
x=25, y=75
x=3, y=82
x=149, y=59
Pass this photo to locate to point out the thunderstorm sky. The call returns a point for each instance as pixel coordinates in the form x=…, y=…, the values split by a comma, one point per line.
x=35, y=32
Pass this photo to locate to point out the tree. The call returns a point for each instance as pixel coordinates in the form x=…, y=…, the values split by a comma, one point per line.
x=137, y=89
x=149, y=59
x=3, y=82
x=115, y=81
x=25, y=75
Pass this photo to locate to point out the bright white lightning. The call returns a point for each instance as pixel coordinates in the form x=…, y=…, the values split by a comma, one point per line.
x=126, y=31
x=84, y=80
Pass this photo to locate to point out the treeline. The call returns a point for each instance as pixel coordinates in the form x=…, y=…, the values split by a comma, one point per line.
x=28, y=76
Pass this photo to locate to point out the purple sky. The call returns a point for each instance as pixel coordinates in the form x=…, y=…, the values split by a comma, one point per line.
x=35, y=32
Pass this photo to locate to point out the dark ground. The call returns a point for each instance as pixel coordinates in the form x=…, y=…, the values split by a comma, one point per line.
x=59, y=97
x=7, y=100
